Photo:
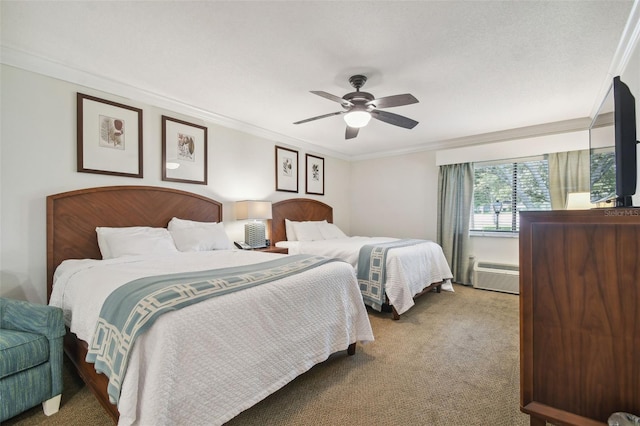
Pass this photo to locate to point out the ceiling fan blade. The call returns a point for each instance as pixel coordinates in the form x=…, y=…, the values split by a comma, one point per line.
x=393, y=101
x=332, y=97
x=395, y=119
x=351, y=132
x=319, y=117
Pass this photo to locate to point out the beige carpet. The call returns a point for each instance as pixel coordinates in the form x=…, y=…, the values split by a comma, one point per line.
x=451, y=360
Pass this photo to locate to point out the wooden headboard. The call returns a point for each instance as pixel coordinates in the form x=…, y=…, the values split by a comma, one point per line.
x=297, y=209
x=72, y=217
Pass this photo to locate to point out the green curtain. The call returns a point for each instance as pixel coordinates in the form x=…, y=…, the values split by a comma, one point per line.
x=455, y=193
x=568, y=172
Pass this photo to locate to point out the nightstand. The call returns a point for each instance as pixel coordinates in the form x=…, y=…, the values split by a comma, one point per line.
x=274, y=249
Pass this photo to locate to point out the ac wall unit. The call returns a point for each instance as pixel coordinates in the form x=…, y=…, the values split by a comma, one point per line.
x=496, y=277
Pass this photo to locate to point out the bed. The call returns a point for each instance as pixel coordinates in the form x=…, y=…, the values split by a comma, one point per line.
x=207, y=362
x=413, y=268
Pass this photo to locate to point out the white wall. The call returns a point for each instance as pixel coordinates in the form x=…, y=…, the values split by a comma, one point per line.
x=38, y=158
x=495, y=249
x=395, y=196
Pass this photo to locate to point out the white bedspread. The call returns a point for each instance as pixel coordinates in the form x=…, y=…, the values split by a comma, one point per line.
x=409, y=269
x=206, y=363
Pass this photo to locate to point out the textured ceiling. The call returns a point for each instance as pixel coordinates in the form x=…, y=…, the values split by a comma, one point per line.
x=475, y=66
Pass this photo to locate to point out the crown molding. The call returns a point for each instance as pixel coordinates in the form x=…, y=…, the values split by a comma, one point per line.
x=622, y=55
x=47, y=67
x=557, y=127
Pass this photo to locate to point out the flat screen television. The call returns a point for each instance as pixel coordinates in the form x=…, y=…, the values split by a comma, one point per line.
x=612, y=143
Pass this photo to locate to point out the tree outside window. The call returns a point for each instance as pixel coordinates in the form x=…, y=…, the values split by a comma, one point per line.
x=519, y=185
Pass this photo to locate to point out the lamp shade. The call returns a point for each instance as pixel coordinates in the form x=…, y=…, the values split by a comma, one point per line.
x=579, y=201
x=253, y=210
x=357, y=118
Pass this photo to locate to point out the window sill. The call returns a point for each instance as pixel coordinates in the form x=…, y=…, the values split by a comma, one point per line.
x=494, y=234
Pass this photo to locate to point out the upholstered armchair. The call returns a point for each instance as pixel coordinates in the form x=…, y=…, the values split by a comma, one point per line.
x=30, y=357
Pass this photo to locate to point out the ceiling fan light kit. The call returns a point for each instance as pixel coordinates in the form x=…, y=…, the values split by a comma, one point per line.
x=357, y=119
x=361, y=106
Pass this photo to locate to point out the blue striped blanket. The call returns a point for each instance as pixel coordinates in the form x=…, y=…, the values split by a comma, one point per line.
x=132, y=308
x=372, y=265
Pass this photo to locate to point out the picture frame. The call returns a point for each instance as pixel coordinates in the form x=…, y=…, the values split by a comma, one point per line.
x=314, y=178
x=286, y=169
x=184, y=151
x=109, y=137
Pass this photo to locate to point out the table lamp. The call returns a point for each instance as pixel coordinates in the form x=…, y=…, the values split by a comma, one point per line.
x=257, y=212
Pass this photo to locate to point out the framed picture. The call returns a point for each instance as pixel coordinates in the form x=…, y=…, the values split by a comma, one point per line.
x=109, y=137
x=184, y=151
x=314, y=179
x=286, y=169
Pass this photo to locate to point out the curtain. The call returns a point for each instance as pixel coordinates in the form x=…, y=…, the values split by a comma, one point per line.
x=455, y=192
x=568, y=172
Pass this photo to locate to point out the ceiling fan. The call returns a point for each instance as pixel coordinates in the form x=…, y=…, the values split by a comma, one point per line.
x=359, y=107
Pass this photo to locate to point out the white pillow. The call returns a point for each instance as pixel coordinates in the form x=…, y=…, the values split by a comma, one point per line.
x=133, y=240
x=308, y=231
x=190, y=235
x=288, y=227
x=330, y=231
x=177, y=223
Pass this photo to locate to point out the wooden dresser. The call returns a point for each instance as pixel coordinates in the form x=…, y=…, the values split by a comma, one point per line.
x=579, y=315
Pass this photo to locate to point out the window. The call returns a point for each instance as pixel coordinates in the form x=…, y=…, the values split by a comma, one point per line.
x=603, y=173
x=502, y=189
